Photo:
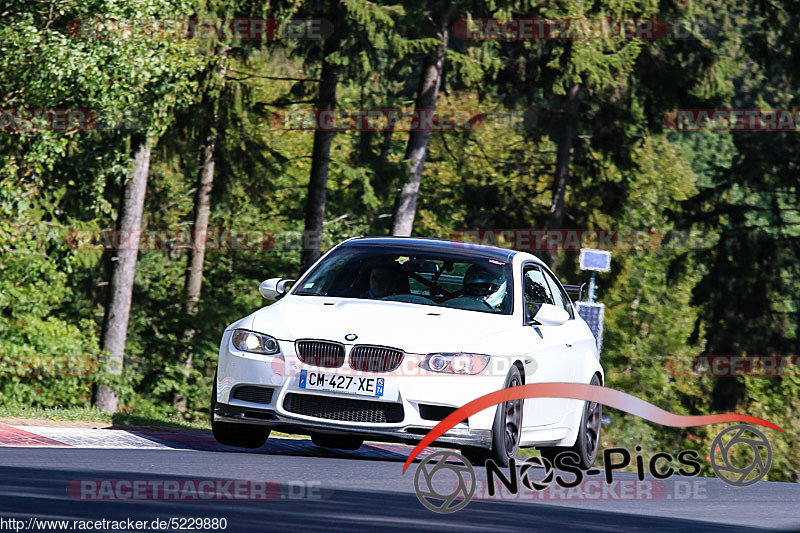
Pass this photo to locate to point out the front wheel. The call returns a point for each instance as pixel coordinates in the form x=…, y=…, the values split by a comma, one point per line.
x=506, y=430
x=232, y=434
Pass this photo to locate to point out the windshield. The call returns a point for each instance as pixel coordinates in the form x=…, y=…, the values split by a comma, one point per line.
x=400, y=274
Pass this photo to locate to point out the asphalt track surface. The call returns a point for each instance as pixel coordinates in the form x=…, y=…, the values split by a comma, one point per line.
x=322, y=490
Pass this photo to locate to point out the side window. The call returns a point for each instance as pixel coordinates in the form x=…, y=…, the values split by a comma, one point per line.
x=559, y=295
x=535, y=290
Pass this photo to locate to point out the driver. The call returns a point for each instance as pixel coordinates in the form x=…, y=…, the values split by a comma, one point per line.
x=480, y=282
x=383, y=281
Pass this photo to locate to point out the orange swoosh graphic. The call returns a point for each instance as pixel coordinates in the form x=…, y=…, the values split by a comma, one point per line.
x=579, y=391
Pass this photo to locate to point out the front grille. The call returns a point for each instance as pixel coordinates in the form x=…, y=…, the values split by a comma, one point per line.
x=343, y=409
x=321, y=353
x=375, y=358
x=250, y=393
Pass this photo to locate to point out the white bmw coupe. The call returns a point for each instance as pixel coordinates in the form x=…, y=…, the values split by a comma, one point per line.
x=384, y=337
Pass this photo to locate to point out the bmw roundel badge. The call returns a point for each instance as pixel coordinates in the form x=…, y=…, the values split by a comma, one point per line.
x=350, y=337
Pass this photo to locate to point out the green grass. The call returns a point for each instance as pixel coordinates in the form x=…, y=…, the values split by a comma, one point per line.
x=90, y=414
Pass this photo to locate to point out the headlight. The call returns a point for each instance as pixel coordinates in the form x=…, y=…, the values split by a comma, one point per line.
x=247, y=341
x=455, y=363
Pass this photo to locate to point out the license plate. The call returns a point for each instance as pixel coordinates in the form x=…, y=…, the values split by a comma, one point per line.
x=363, y=386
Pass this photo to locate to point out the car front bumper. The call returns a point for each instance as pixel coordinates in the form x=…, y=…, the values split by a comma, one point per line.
x=409, y=393
x=460, y=436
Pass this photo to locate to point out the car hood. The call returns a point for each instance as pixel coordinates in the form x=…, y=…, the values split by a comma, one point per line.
x=411, y=327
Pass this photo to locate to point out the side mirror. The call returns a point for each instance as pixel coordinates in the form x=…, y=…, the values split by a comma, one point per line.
x=551, y=315
x=274, y=288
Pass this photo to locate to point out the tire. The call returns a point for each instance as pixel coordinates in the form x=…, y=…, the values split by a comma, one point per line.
x=506, y=430
x=588, y=440
x=341, y=442
x=233, y=434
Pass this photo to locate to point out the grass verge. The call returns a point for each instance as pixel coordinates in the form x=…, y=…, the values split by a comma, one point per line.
x=90, y=414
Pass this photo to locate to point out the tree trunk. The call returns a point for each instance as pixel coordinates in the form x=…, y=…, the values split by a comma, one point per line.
x=417, y=147
x=120, y=291
x=555, y=219
x=193, y=283
x=194, y=273
x=320, y=159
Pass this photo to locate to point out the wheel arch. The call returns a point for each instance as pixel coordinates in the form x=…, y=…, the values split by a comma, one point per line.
x=521, y=369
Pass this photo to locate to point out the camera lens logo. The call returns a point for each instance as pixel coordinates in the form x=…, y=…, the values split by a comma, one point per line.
x=458, y=494
x=539, y=462
x=722, y=461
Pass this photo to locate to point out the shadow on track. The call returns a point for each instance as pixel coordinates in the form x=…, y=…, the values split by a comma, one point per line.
x=204, y=441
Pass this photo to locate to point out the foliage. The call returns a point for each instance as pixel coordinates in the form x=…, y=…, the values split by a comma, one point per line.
x=732, y=291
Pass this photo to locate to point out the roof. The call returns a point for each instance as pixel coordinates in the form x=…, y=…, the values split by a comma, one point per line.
x=436, y=245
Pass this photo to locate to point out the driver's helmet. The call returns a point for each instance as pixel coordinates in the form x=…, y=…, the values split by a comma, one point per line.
x=480, y=281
